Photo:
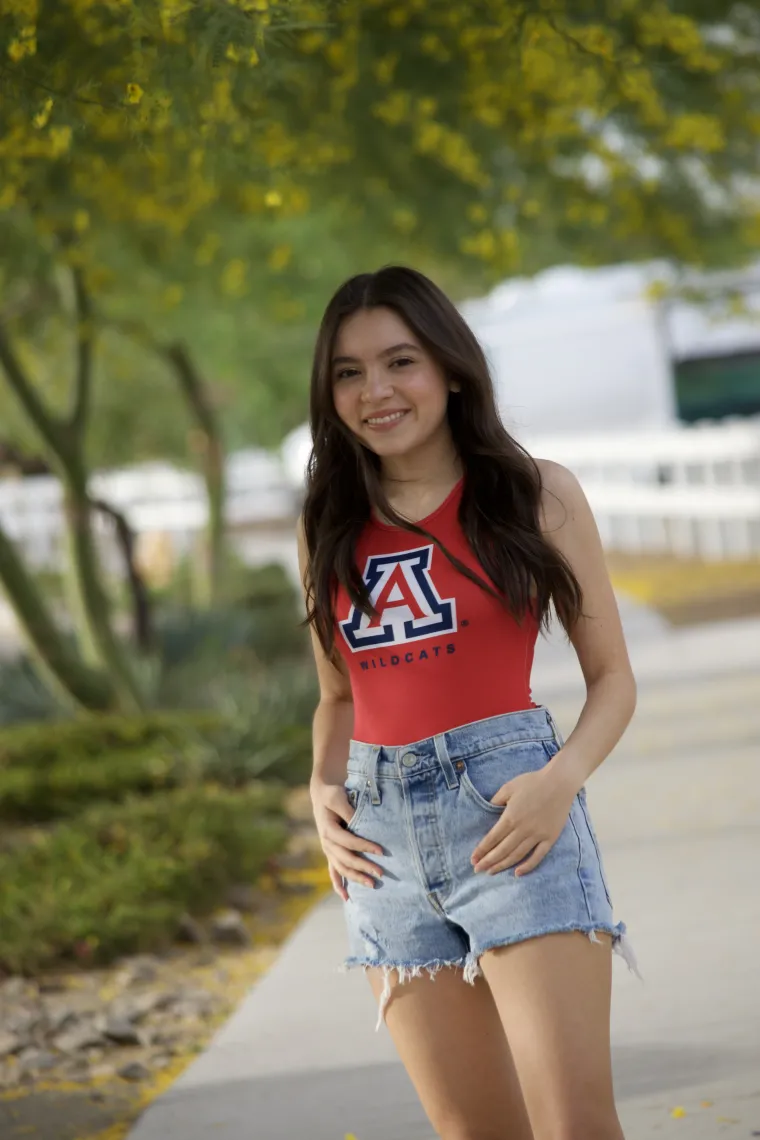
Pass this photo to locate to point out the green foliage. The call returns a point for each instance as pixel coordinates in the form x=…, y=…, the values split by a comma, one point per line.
x=23, y=696
x=38, y=747
x=267, y=727
x=260, y=626
x=117, y=879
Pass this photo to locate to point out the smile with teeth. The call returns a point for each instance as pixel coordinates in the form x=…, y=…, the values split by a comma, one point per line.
x=389, y=418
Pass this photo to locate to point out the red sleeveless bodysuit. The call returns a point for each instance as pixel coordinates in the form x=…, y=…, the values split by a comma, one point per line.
x=442, y=652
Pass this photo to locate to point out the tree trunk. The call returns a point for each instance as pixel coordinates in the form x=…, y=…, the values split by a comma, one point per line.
x=65, y=441
x=212, y=462
x=58, y=662
x=96, y=610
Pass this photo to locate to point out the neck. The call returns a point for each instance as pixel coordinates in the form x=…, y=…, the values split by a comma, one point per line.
x=437, y=464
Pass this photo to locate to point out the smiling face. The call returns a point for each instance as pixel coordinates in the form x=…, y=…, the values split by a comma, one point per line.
x=387, y=388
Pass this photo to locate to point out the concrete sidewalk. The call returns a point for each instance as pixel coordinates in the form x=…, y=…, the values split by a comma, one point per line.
x=678, y=811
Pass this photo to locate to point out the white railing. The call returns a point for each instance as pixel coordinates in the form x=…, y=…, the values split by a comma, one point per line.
x=689, y=492
x=154, y=498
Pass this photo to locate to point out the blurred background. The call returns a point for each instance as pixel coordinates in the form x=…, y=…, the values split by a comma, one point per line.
x=183, y=184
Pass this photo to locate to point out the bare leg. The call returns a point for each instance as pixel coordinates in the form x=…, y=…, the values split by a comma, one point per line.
x=553, y=996
x=451, y=1041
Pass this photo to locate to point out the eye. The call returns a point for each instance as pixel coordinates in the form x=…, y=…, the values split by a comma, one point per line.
x=346, y=373
x=402, y=361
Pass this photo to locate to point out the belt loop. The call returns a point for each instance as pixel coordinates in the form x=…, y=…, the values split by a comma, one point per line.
x=372, y=774
x=553, y=726
x=442, y=753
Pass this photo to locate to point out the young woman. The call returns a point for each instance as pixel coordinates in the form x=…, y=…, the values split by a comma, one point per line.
x=452, y=814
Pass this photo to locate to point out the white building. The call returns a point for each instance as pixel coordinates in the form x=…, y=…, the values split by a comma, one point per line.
x=587, y=351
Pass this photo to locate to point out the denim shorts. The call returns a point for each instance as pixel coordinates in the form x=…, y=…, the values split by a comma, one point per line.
x=427, y=805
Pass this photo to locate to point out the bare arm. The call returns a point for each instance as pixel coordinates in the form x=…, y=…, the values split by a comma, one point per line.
x=597, y=637
x=334, y=717
x=331, y=736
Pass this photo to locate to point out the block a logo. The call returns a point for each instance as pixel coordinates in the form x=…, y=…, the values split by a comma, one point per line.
x=408, y=605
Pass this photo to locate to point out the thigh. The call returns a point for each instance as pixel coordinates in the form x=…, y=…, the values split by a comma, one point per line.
x=450, y=1039
x=553, y=997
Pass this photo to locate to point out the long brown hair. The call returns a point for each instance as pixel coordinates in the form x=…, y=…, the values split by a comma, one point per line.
x=499, y=511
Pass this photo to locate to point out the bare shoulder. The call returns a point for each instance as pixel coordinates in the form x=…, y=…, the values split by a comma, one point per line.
x=562, y=498
x=303, y=554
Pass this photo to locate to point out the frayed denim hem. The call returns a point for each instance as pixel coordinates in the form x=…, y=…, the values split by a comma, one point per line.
x=470, y=963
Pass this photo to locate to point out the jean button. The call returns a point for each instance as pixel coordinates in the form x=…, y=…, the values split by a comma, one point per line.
x=409, y=760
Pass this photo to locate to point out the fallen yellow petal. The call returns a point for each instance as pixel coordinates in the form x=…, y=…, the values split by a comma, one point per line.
x=678, y=1112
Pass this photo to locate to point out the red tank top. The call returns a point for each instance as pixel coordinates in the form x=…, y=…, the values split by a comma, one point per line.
x=442, y=652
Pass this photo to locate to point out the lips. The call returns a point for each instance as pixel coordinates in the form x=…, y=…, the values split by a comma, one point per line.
x=386, y=419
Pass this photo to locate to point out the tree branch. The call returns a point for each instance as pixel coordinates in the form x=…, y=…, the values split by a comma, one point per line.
x=45, y=423
x=141, y=610
x=192, y=386
x=83, y=382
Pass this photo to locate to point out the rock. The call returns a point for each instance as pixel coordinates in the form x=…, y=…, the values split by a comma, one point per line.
x=80, y=1037
x=14, y=987
x=189, y=930
x=137, y=1006
x=134, y=1071
x=52, y=986
x=160, y=1061
x=122, y=1032
x=9, y=1043
x=143, y=968
x=61, y=1019
x=194, y=1007
x=244, y=897
x=38, y=1061
x=229, y=928
x=100, y=1072
x=24, y=1021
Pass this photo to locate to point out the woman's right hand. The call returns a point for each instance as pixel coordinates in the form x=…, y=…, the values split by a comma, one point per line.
x=332, y=811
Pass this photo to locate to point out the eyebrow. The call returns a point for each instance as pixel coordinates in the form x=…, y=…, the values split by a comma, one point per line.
x=386, y=352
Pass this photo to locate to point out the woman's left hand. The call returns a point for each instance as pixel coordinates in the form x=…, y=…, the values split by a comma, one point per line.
x=537, y=805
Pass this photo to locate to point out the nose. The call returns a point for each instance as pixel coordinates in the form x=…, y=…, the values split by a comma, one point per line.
x=377, y=385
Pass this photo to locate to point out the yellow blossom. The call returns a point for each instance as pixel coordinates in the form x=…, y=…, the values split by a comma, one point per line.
x=60, y=141
x=42, y=117
x=279, y=258
x=233, y=276
x=81, y=221
x=172, y=296
x=273, y=198
x=134, y=93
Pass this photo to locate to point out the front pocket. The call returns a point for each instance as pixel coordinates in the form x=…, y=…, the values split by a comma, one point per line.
x=474, y=794
x=482, y=776
x=356, y=793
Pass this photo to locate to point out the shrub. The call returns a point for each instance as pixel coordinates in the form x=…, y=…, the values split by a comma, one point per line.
x=266, y=727
x=260, y=726
x=90, y=739
x=117, y=879
x=23, y=695
x=51, y=771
